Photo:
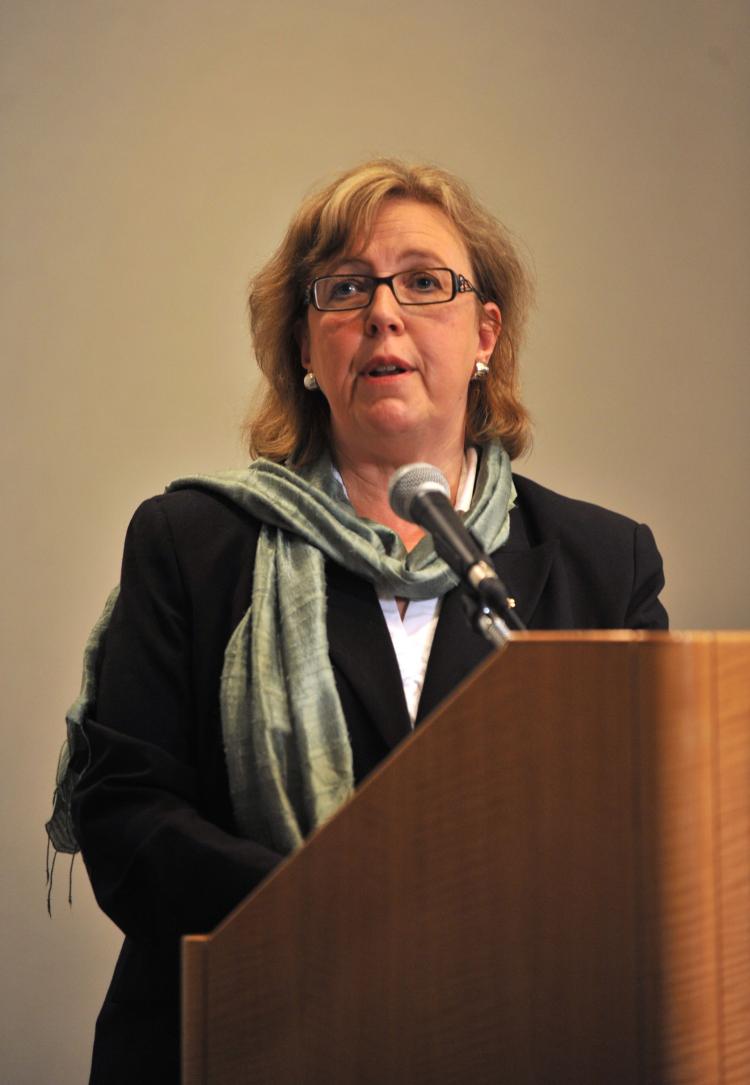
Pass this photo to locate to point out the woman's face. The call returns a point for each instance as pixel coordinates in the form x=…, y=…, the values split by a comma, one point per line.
x=421, y=406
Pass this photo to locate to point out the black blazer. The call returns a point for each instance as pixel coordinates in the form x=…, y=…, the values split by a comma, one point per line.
x=152, y=810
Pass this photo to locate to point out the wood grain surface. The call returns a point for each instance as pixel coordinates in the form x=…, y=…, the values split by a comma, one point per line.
x=548, y=882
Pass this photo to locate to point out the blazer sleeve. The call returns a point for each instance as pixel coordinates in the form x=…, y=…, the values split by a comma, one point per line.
x=645, y=611
x=152, y=809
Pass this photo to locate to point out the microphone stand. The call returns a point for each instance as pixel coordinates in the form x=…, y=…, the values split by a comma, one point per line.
x=487, y=622
x=484, y=596
x=485, y=617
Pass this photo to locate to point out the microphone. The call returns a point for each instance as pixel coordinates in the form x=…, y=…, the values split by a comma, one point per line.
x=420, y=494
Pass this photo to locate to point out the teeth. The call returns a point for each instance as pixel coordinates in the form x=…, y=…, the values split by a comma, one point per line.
x=386, y=369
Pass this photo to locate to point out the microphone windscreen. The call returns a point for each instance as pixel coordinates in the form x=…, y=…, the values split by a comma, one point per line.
x=412, y=481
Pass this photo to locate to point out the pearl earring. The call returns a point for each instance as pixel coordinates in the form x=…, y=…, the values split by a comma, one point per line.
x=481, y=371
x=311, y=381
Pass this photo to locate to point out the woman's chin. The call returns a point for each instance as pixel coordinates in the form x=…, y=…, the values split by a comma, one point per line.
x=389, y=419
x=394, y=435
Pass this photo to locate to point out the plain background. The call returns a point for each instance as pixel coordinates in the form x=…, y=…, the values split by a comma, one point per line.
x=152, y=154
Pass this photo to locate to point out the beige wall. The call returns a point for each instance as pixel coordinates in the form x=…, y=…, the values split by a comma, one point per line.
x=152, y=153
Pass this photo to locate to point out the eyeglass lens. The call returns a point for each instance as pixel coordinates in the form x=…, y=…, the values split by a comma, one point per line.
x=417, y=287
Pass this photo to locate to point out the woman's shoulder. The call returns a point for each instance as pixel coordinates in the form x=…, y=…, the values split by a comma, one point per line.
x=193, y=512
x=550, y=514
x=207, y=534
x=610, y=564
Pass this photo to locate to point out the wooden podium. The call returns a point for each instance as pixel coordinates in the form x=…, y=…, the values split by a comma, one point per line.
x=548, y=883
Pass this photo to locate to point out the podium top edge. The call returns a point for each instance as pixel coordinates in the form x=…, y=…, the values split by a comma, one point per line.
x=636, y=636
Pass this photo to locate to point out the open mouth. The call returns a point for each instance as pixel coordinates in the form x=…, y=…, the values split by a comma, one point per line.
x=385, y=369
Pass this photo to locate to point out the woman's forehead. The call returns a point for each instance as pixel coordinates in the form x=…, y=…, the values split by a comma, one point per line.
x=406, y=229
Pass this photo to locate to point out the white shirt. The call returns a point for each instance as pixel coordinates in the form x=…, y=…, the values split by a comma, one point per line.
x=413, y=634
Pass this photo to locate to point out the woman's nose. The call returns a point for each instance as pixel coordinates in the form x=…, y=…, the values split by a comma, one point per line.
x=384, y=312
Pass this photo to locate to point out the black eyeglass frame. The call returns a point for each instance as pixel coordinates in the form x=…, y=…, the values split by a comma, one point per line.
x=460, y=285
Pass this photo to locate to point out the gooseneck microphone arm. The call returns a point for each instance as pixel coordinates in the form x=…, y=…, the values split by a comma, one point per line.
x=420, y=494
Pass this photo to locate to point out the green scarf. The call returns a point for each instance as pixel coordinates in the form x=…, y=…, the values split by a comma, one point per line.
x=286, y=743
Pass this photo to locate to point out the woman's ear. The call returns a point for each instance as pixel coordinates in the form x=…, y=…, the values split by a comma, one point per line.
x=303, y=342
x=490, y=326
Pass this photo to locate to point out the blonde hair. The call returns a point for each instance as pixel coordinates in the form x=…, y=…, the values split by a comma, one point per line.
x=292, y=424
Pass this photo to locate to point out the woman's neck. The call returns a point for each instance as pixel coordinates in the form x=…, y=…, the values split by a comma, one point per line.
x=366, y=482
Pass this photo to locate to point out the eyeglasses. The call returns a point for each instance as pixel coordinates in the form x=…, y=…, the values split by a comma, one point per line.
x=423, y=286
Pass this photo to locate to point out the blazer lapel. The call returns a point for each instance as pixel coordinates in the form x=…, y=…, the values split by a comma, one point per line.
x=525, y=573
x=456, y=650
x=361, y=648
x=457, y=647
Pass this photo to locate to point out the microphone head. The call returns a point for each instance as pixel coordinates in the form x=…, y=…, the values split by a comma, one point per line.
x=411, y=482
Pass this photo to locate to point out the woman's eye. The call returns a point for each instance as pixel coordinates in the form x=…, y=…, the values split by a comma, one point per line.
x=347, y=288
x=423, y=282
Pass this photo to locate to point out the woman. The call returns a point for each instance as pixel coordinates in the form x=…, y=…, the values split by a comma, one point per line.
x=278, y=630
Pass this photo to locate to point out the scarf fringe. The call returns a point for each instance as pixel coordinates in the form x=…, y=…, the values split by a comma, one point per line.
x=50, y=873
